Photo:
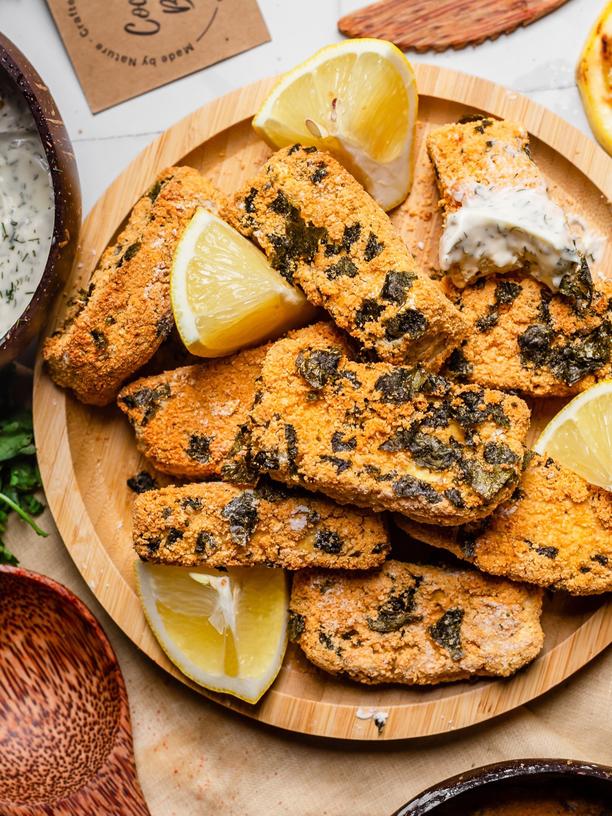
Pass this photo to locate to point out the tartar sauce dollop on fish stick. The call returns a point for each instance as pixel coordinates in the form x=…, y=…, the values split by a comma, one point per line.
x=498, y=215
x=415, y=624
x=323, y=232
x=383, y=436
x=119, y=322
x=220, y=525
x=555, y=531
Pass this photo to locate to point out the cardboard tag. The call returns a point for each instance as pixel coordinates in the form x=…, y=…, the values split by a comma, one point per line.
x=122, y=48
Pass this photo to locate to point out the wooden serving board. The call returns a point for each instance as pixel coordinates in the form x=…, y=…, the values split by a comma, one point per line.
x=441, y=24
x=86, y=454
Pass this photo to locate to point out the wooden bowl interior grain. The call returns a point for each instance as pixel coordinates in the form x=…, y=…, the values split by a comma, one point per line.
x=61, y=691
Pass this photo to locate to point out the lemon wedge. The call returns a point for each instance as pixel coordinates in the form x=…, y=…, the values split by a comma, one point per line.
x=227, y=631
x=224, y=293
x=357, y=100
x=580, y=436
x=594, y=78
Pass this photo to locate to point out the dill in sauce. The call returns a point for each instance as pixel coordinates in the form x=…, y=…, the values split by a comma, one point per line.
x=26, y=206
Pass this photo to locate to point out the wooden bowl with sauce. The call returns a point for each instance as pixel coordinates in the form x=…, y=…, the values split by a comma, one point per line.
x=520, y=787
x=30, y=307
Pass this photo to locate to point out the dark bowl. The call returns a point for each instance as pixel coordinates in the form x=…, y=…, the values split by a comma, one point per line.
x=67, y=196
x=492, y=784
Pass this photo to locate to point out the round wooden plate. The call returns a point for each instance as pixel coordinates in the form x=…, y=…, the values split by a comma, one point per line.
x=86, y=454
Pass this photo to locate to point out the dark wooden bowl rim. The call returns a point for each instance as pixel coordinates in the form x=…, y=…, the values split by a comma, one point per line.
x=66, y=192
x=429, y=800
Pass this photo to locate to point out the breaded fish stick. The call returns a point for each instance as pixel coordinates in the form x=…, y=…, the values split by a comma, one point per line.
x=187, y=420
x=190, y=422
x=220, y=525
x=498, y=216
x=415, y=624
x=526, y=339
x=385, y=437
x=555, y=531
x=322, y=231
x=118, y=324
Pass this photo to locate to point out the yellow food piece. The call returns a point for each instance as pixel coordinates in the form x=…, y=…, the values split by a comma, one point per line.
x=221, y=525
x=119, y=322
x=187, y=420
x=554, y=531
x=323, y=232
x=594, y=78
x=226, y=630
x=415, y=624
x=580, y=436
x=358, y=101
x=224, y=293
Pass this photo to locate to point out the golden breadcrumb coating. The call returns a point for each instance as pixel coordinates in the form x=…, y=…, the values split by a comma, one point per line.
x=498, y=216
x=555, y=531
x=385, y=437
x=118, y=324
x=187, y=420
x=215, y=524
x=525, y=339
x=482, y=151
x=322, y=231
x=415, y=624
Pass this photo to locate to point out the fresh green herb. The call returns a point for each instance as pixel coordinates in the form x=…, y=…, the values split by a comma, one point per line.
x=19, y=476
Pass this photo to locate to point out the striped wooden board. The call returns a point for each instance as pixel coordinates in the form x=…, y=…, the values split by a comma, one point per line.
x=86, y=454
x=436, y=25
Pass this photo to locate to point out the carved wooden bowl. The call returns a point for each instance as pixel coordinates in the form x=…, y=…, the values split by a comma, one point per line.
x=492, y=785
x=65, y=733
x=14, y=66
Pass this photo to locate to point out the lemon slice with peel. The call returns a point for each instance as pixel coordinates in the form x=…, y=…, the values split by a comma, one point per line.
x=227, y=631
x=357, y=100
x=580, y=435
x=224, y=293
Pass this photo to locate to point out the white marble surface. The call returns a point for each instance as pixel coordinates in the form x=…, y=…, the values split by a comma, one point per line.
x=538, y=61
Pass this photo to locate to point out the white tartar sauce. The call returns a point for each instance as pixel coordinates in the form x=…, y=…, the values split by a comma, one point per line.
x=502, y=228
x=26, y=206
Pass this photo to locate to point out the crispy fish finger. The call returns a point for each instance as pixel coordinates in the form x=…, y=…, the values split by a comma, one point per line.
x=190, y=422
x=415, y=624
x=118, y=324
x=322, y=231
x=187, y=420
x=498, y=216
x=526, y=339
x=385, y=437
x=555, y=531
x=220, y=525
